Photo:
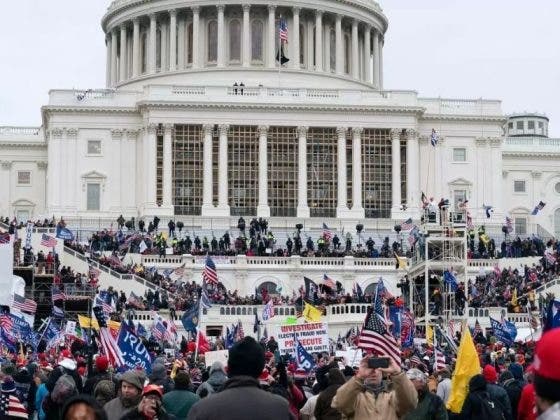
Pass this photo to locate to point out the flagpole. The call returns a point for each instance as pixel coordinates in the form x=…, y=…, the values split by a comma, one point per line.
x=198, y=330
x=45, y=330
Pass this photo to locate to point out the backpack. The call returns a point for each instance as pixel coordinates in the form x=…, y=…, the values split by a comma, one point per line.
x=491, y=409
x=64, y=388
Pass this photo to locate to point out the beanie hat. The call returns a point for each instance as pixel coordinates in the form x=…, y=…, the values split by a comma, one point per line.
x=516, y=370
x=477, y=382
x=133, y=378
x=246, y=357
x=489, y=373
x=8, y=385
x=547, y=370
x=101, y=363
x=300, y=374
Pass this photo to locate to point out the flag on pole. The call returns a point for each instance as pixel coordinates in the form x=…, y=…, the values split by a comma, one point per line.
x=23, y=304
x=327, y=281
x=374, y=335
x=48, y=241
x=303, y=358
x=327, y=233
x=209, y=274
x=439, y=362
x=268, y=311
x=312, y=313
x=538, y=208
x=57, y=294
x=477, y=328
x=400, y=262
x=407, y=224
x=108, y=343
x=283, y=30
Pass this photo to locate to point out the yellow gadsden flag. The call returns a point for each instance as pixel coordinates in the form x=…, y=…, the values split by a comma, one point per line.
x=311, y=313
x=86, y=322
x=429, y=335
x=467, y=366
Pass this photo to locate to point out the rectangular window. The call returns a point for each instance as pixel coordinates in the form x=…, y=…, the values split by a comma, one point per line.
x=93, y=197
x=520, y=225
x=459, y=196
x=187, y=169
x=24, y=177
x=459, y=154
x=531, y=125
x=510, y=125
x=519, y=186
x=94, y=147
x=519, y=125
x=541, y=125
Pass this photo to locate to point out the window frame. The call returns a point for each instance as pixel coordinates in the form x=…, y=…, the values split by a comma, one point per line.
x=515, y=183
x=231, y=60
x=209, y=61
x=88, y=151
x=88, y=185
x=24, y=184
x=455, y=157
x=520, y=225
x=254, y=39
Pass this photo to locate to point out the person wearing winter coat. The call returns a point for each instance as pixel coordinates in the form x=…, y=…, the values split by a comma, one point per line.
x=215, y=381
x=241, y=398
x=430, y=406
x=444, y=385
x=150, y=406
x=323, y=408
x=179, y=401
x=159, y=377
x=513, y=385
x=497, y=392
x=368, y=395
x=130, y=393
x=478, y=395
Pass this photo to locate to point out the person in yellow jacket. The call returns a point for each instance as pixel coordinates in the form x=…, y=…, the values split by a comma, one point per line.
x=368, y=396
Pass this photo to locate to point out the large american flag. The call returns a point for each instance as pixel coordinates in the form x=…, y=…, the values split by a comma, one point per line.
x=11, y=407
x=283, y=31
x=159, y=332
x=24, y=305
x=407, y=224
x=108, y=343
x=327, y=233
x=48, y=241
x=327, y=281
x=268, y=311
x=477, y=328
x=209, y=275
x=374, y=335
x=57, y=294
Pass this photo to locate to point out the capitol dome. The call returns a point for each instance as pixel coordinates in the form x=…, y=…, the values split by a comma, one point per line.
x=335, y=44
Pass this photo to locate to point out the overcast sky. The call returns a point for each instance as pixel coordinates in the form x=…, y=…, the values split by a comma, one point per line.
x=498, y=49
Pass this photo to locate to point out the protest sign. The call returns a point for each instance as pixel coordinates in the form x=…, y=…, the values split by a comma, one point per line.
x=353, y=357
x=216, y=356
x=313, y=337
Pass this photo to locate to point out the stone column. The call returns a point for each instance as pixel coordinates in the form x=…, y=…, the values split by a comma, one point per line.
x=271, y=48
x=367, y=53
x=223, y=170
x=128, y=169
x=413, y=174
x=246, y=50
x=167, y=164
x=357, y=206
x=181, y=43
x=152, y=45
x=122, y=55
x=303, y=207
x=318, y=40
x=172, y=40
x=342, y=195
x=195, y=33
x=396, y=170
x=263, y=209
x=71, y=150
x=108, y=61
x=114, y=74
x=207, y=180
x=375, y=58
x=221, y=38
x=294, y=43
x=136, y=69
x=163, y=64
x=338, y=37
x=381, y=63
x=150, y=155
x=355, y=45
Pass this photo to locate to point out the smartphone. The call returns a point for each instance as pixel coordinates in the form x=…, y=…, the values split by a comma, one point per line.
x=378, y=362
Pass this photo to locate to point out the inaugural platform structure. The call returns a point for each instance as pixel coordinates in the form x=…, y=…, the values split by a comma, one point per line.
x=200, y=122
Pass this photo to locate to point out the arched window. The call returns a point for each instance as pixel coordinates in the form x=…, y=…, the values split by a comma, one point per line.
x=257, y=29
x=302, y=46
x=269, y=286
x=189, y=34
x=347, y=52
x=212, y=42
x=235, y=41
x=332, y=47
x=557, y=223
x=370, y=290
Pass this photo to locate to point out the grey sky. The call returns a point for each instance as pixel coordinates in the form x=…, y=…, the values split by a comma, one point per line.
x=498, y=49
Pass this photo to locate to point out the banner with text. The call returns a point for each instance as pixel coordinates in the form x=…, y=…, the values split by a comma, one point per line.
x=313, y=337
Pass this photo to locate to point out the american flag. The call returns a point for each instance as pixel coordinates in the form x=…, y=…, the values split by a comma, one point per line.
x=283, y=30
x=176, y=274
x=11, y=407
x=4, y=238
x=57, y=294
x=135, y=301
x=407, y=224
x=24, y=305
x=104, y=300
x=477, y=328
x=240, y=332
x=415, y=360
x=439, y=362
x=48, y=241
x=374, y=335
x=115, y=261
x=204, y=299
x=108, y=343
x=159, y=332
x=209, y=274
x=6, y=322
x=268, y=311
x=327, y=281
x=327, y=233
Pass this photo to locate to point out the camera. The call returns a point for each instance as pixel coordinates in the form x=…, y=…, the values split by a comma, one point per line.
x=378, y=362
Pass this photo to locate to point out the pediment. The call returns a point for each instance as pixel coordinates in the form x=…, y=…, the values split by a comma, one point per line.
x=460, y=182
x=94, y=175
x=22, y=202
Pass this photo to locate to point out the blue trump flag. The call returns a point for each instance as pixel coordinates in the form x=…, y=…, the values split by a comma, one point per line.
x=450, y=280
x=500, y=332
x=190, y=319
x=395, y=316
x=510, y=328
x=303, y=358
x=133, y=351
x=64, y=233
x=551, y=318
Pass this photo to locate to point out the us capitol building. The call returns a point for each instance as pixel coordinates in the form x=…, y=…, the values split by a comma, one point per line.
x=199, y=121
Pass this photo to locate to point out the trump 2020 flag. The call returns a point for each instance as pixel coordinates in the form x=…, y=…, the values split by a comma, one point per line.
x=501, y=333
x=304, y=359
x=64, y=233
x=133, y=351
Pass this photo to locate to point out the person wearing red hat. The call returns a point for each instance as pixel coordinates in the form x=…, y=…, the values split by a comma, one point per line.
x=98, y=374
x=527, y=409
x=547, y=376
x=496, y=392
x=150, y=406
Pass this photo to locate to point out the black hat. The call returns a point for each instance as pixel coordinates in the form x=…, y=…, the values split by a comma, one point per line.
x=246, y=358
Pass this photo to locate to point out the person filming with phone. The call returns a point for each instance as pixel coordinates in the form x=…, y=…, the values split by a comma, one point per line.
x=378, y=390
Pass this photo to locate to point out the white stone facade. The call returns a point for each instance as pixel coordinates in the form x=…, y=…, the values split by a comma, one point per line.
x=171, y=67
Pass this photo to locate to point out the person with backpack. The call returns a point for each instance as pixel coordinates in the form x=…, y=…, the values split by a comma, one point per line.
x=497, y=392
x=215, y=381
x=513, y=386
x=67, y=366
x=430, y=406
x=479, y=404
x=98, y=374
